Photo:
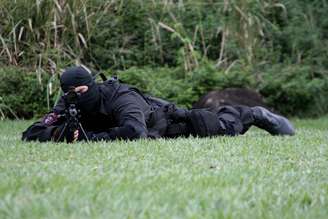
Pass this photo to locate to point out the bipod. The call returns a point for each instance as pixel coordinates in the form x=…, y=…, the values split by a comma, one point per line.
x=66, y=126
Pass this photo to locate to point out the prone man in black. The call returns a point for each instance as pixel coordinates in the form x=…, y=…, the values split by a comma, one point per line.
x=112, y=110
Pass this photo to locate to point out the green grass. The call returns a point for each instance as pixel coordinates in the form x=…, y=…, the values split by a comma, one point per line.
x=250, y=176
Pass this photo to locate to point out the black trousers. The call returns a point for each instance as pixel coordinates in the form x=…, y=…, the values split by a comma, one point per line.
x=231, y=121
x=234, y=120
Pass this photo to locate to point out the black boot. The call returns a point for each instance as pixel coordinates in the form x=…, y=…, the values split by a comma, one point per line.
x=272, y=123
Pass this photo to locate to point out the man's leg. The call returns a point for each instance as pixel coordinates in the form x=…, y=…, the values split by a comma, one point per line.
x=273, y=123
x=205, y=122
x=233, y=120
x=226, y=120
x=238, y=119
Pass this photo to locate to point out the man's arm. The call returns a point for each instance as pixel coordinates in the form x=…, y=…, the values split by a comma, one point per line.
x=46, y=128
x=127, y=111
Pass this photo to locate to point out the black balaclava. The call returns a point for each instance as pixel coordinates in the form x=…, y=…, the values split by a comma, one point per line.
x=88, y=102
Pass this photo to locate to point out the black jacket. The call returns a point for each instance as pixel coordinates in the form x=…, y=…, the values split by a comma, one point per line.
x=124, y=113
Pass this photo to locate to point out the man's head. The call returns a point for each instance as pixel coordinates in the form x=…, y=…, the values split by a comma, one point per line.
x=81, y=79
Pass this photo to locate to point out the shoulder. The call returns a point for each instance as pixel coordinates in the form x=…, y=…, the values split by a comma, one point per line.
x=115, y=94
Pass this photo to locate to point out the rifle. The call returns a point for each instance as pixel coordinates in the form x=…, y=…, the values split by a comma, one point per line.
x=72, y=117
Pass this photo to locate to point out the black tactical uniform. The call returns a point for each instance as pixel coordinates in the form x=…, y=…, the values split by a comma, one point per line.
x=112, y=110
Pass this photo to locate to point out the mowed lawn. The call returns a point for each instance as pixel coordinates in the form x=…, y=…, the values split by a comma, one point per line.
x=250, y=176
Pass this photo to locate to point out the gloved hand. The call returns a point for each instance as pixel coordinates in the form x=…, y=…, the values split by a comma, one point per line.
x=50, y=119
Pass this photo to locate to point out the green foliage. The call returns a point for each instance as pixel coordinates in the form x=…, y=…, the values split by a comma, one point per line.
x=254, y=176
x=125, y=33
x=168, y=41
x=295, y=90
x=22, y=94
x=161, y=82
x=184, y=88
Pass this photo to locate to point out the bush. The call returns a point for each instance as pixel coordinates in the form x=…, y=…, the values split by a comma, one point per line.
x=292, y=90
x=160, y=82
x=181, y=87
x=295, y=90
x=22, y=93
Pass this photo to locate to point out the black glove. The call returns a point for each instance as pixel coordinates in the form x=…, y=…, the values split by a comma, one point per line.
x=50, y=119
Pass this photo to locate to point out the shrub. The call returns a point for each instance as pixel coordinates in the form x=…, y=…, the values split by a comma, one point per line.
x=22, y=93
x=292, y=90
x=295, y=90
x=207, y=78
x=160, y=82
x=181, y=87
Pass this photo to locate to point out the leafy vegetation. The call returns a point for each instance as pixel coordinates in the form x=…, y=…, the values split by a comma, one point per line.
x=260, y=39
x=250, y=176
x=295, y=90
x=185, y=88
x=23, y=95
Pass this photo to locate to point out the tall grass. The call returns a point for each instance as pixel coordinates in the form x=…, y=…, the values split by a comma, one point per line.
x=48, y=35
x=40, y=33
x=109, y=33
